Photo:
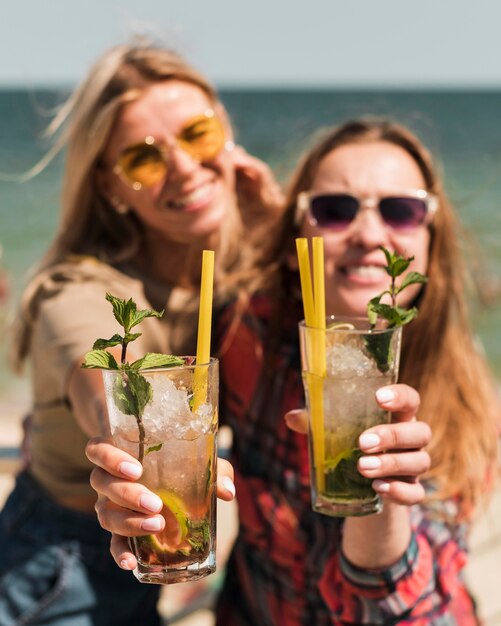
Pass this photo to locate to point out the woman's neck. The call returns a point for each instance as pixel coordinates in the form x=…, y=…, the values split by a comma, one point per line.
x=171, y=262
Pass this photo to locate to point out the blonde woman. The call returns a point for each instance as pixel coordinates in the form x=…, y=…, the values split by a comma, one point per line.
x=366, y=184
x=152, y=177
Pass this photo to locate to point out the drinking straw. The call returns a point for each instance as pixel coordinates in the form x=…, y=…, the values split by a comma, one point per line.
x=319, y=304
x=204, y=328
x=314, y=313
x=303, y=258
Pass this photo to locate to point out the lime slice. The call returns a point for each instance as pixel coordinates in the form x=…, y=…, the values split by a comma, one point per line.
x=340, y=326
x=176, y=523
x=346, y=455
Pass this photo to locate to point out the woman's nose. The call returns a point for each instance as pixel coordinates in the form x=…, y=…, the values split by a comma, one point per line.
x=368, y=228
x=181, y=164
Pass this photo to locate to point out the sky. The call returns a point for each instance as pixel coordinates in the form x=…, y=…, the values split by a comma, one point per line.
x=326, y=43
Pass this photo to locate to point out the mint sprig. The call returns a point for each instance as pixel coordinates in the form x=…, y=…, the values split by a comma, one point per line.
x=396, y=316
x=131, y=391
x=379, y=346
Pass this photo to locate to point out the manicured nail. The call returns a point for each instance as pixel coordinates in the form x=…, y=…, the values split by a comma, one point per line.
x=380, y=486
x=151, y=524
x=151, y=502
x=385, y=396
x=369, y=462
x=131, y=470
x=229, y=485
x=369, y=440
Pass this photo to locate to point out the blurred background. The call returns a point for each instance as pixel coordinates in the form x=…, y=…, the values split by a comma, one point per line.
x=283, y=73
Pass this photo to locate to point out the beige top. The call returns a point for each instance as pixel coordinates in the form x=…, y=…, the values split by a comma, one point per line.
x=72, y=314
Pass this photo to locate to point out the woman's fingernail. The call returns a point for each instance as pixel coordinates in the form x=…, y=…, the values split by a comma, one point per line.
x=369, y=440
x=385, y=396
x=369, y=462
x=229, y=485
x=131, y=470
x=152, y=524
x=380, y=486
x=151, y=502
x=124, y=564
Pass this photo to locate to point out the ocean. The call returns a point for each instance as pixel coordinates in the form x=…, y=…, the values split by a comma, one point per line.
x=461, y=128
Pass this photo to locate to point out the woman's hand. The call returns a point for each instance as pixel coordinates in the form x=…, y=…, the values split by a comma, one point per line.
x=127, y=508
x=395, y=457
x=256, y=182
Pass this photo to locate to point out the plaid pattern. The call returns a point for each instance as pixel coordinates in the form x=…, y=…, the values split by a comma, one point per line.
x=286, y=568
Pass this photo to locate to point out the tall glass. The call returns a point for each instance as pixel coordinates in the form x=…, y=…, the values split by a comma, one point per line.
x=341, y=404
x=175, y=439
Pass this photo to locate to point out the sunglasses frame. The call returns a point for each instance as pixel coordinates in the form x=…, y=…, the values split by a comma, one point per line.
x=304, y=198
x=163, y=149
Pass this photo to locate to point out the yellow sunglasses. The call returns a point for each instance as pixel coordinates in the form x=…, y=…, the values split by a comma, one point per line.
x=145, y=164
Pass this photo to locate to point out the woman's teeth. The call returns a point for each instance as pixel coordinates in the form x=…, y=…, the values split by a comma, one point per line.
x=366, y=271
x=193, y=197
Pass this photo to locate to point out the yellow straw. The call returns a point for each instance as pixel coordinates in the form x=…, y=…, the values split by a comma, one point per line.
x=319, y=304
x=204, y=328
x=303, y=258
x=314, y=313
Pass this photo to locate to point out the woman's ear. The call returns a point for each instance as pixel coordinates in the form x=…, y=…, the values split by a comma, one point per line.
x=104, y=188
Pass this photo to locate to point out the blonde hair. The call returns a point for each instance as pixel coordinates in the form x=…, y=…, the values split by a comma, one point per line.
x=88, y=225
x=439, y=356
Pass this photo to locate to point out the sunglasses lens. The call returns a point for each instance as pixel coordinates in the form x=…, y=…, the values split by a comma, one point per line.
x=403, y=212
x=142, y=164
x=333, y=210
x=203, y=138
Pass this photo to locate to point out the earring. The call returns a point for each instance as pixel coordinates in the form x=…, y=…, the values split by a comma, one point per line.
x=119, y=206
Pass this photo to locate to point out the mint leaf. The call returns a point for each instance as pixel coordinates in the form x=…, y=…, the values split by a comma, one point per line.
x=412, y=278
x=395, y=316
x=132, y=392
x=387, y=312
x=129, y=314
x=378, y=345
x=154, y=359
x=395, y=264
x=154, y=448
x=139, y=316
x=101, y=344
x=99, y=359
x=131, y=337
x=118, y=308
x=398, y=266
x=344, y=479
x=408, y=315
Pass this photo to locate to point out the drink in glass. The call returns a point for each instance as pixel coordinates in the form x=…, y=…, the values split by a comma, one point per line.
x=341, y=403
x=175, y=439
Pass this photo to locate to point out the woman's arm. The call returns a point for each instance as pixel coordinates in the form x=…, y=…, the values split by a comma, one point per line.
x=404, y=563
x=88, y=399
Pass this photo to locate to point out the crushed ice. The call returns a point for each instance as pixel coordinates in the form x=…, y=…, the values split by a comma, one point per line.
x=167, y=415
x=346, y=360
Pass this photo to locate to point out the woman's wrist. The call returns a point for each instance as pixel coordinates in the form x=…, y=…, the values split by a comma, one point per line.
x=377, y=541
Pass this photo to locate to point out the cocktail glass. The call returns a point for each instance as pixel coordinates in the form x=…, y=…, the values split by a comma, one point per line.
x=341, y=403
x=175, y=439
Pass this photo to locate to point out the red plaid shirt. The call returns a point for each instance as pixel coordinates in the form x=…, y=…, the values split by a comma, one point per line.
x=287, y=568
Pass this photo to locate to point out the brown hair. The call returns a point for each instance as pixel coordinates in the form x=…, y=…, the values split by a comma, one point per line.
x=88, y=225
x=439, y=356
